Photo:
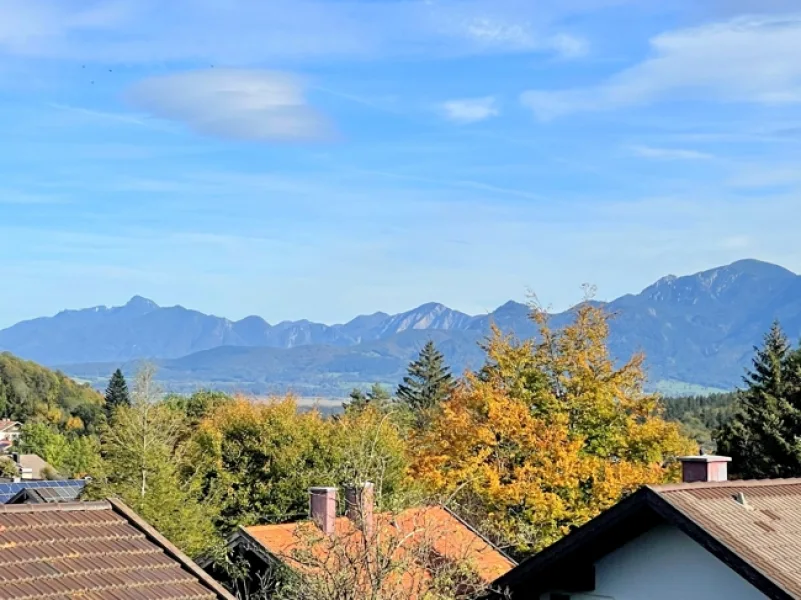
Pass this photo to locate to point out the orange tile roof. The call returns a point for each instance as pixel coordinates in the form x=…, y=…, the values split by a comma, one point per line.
x=439, y=530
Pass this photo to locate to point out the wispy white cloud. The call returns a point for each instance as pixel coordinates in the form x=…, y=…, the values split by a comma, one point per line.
x=514, y=35
x=746, y=59
x=233, y=103
x=247, y=32
x=670, y=153
x=470, y=110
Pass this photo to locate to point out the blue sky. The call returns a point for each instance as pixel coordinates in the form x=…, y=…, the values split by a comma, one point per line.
x=322, y=159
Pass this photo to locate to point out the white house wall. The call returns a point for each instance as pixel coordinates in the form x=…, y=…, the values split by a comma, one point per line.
x=665, y=564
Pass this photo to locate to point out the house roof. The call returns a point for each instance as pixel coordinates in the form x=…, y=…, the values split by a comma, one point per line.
x=446, y=535
x=36, y=464
x=95, y=551
x=754, y=527
x=56, y=490
x=8, y=424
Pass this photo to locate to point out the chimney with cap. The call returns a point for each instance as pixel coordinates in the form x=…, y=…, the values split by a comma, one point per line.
x=323, y=508
x=704, y=468
x=359, y=502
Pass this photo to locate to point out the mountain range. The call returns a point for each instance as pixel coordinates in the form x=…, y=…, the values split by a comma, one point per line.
x=696, y=330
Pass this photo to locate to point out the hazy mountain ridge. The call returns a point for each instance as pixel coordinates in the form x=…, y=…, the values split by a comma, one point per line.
x=698, y=329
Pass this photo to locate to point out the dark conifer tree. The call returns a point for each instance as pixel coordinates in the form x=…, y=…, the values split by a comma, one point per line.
x=117, y=392
x=378, y=397
x=764, y=436
x=429, y=381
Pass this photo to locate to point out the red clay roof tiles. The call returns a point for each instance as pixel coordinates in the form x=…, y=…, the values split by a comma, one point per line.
x=448, y=536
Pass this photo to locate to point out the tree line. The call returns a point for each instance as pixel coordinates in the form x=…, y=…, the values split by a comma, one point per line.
x=544, y=435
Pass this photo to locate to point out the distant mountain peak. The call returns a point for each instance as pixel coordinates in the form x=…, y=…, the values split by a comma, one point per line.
x=430, y=307
x=754, y=267
x=139, y=303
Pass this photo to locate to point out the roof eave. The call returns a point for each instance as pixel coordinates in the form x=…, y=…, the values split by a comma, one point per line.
x=641, y=508
x=673, y=515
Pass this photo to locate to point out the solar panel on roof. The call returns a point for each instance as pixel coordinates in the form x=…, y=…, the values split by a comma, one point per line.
x=72, y=488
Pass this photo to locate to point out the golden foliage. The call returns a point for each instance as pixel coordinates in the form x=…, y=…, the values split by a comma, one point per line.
x=548, y=434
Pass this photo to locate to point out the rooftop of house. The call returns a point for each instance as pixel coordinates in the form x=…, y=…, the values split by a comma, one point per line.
x=758, y=520
x=93, y=550
x=418, y=540
x=753, y=526
x=6, y=424
x=448, y=535
x=33, y=466
x=64, y=490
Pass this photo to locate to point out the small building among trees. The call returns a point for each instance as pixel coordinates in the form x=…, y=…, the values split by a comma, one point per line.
x=402, y=555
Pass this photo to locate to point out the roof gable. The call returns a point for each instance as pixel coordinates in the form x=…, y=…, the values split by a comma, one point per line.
x=708, y=513
x=93, y=549
x=440, y=530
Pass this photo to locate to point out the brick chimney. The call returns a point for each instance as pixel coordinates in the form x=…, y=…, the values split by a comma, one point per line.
x=359, y=504
x=323, y=507
x=704, y=468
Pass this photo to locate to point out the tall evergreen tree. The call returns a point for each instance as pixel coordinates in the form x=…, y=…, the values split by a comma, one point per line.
x=378, y=397
x=117, y=392
x=429, y=381
x=764, y=436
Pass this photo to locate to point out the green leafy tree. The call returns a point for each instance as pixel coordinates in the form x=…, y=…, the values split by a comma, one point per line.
x=8, y=470
x=142, y=460
x=429, y=381
x=261, y=458
x=764, y=436
x=117, y=392
x=70, y=456
x=37, y=437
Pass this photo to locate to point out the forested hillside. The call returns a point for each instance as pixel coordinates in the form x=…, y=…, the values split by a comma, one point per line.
x=30, y=390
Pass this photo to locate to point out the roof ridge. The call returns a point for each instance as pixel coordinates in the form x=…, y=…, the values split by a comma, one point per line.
x=58, y=507
x=343, y=518
x=732, y=483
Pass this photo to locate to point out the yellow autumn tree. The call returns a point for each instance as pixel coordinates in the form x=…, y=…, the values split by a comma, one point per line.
x=548, y=434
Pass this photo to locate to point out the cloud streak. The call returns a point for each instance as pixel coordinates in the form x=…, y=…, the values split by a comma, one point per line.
x=233, y=103
x=670, y=153
x=746, y=59
x=247, y=32
x=470, y=110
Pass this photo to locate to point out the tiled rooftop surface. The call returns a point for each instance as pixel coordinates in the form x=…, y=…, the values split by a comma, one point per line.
x=447, y=536
x=92, y=551
x=759, y=520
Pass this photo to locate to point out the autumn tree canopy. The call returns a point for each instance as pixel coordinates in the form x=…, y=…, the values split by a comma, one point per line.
x=549, y=433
